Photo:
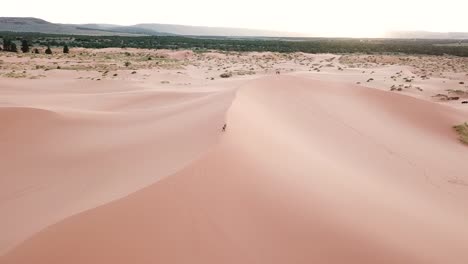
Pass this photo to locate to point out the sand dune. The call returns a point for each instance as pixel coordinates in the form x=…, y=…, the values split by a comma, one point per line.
x=72, y=150
x=308, y=172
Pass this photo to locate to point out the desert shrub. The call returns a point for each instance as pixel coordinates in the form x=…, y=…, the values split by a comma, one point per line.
x=66, y=49
x=127, y=63
x=462, y=131
x=226, y=75
x=48, y=50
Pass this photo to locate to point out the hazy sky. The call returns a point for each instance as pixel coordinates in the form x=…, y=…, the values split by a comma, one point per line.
x=355, y=18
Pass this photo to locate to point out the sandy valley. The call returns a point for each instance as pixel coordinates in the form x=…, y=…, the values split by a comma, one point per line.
x=118, y=156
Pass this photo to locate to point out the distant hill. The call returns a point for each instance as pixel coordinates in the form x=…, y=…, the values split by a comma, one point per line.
x=125, y=29
x=29, y=24
x=214, y=31
x=426, y=35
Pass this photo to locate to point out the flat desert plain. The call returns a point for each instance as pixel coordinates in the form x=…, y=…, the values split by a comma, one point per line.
x=118, y=156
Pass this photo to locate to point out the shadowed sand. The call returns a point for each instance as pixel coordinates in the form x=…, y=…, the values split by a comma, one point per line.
x=307, y=171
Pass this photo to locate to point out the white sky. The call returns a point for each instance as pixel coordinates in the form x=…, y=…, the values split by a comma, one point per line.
x=347, y=18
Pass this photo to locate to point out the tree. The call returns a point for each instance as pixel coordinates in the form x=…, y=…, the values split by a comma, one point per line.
x=24, y=46
x=13, y=47
x=9, y=45
x=66, y=49
x=6, y=44
x=36, y=51
x=48, y=50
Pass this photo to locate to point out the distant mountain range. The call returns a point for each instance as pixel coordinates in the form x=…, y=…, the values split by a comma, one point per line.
x=29, y=24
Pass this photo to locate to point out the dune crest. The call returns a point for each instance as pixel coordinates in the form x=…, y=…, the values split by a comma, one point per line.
x=307, y=171
x=74, y=150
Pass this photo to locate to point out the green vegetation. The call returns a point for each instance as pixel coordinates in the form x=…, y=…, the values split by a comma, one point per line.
x=9, y=45
x=13, y=47
x=24, y=46
x=308, y=45
x=48, y=50
x=462, y=130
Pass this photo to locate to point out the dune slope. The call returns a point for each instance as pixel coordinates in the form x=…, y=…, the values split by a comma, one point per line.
x=307, y=172
x=66, y=151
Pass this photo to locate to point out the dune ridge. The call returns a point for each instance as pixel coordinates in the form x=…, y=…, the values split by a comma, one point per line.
x=63, y=152
x=307, y=171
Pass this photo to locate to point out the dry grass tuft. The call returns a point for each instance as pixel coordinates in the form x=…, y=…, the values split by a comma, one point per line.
x=462, y=130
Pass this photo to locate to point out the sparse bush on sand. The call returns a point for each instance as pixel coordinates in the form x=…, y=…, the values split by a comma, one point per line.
x=226, y=75
x=127, y=63
x=48, y=50
x=462, y=130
